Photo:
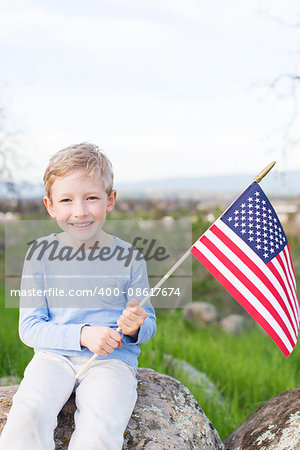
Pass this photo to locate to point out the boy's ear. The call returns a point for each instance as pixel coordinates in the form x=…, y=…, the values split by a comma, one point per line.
x=111, y=201
x=49, y=207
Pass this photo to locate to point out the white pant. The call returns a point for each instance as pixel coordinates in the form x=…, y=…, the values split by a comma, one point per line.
x=105, y=397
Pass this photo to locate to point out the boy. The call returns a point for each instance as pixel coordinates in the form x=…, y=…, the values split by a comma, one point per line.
x=66, y=329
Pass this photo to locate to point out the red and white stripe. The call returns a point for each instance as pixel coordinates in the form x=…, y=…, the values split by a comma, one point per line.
x=266, y=291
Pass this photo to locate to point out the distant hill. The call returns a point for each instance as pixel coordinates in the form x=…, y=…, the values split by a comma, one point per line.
x=286, y=184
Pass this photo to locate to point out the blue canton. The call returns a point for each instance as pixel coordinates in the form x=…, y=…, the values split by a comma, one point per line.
x=254, y=220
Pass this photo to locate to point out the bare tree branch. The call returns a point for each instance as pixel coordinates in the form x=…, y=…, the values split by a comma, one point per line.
x=285, y=87
x=9, y=154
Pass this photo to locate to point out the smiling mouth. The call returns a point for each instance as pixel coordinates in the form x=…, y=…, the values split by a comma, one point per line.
x=81, y=226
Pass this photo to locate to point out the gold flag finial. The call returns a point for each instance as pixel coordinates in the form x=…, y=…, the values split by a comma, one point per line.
x=264, y=172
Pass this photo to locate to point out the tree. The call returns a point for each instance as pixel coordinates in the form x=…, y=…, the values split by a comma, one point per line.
x=286, y=87
x=9, y=155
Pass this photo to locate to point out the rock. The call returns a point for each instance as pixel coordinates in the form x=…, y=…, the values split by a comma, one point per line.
x=8, y=381
x=234, y=323
x=200, y=313
x=274, y=426
x=6, y=394
x=197, y=378
x=166, y=416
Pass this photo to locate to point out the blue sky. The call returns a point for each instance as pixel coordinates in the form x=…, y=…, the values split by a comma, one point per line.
x=165, y=87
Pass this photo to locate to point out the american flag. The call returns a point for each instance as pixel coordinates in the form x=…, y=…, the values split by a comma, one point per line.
x=247, y=251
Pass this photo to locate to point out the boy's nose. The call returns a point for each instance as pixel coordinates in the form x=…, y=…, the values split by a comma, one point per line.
x=80, y=210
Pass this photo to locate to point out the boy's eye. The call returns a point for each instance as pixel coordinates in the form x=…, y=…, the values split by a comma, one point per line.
x=92, y=197
x=64, y=200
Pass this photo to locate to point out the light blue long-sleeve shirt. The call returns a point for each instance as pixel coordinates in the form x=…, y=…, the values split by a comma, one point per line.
x=60, y=296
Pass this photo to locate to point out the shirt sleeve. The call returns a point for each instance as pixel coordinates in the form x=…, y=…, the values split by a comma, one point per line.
x=35, y=326
x=138, y=287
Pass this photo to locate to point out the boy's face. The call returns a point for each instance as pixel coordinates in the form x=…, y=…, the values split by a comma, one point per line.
x=79, y=205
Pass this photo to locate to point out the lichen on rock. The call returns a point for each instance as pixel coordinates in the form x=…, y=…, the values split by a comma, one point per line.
x=274, y=426
x=179, y=423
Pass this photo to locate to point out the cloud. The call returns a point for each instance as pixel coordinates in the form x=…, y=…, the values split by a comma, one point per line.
x=36, y=26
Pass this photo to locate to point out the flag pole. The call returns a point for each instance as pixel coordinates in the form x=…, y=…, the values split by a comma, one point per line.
x=264, y=172
x=258, y=178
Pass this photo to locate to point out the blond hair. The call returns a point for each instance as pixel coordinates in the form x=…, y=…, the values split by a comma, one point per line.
x=86, y=157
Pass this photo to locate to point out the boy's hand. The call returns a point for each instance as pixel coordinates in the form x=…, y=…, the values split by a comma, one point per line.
x=100, y=340
x=132, y=318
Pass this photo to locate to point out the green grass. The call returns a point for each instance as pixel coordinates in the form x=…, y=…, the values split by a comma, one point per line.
x=247, y=369
x=14, y=355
